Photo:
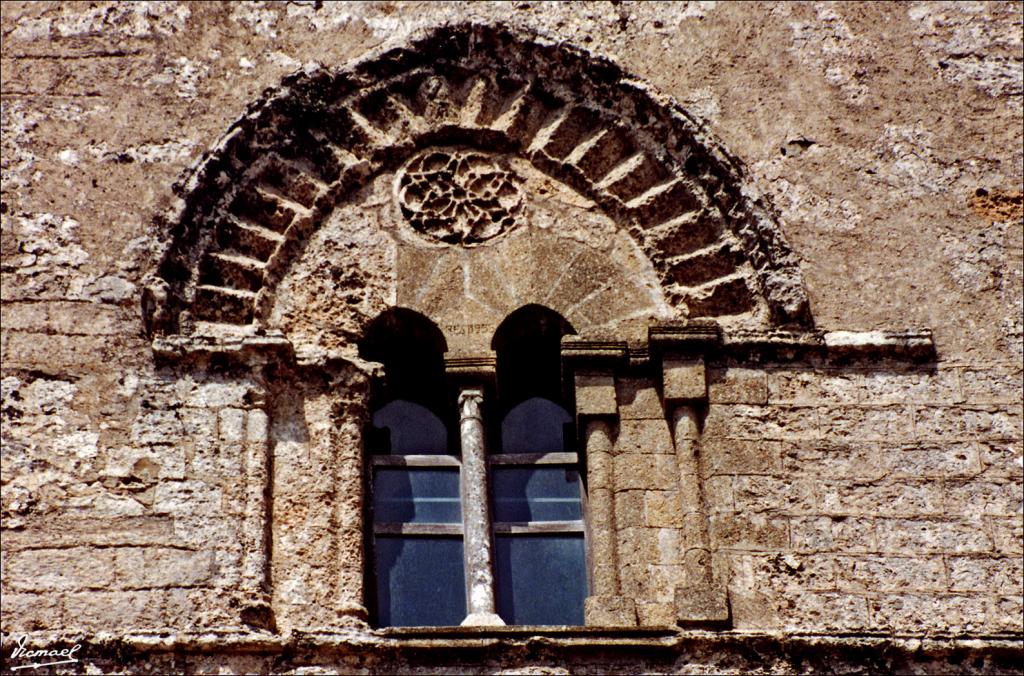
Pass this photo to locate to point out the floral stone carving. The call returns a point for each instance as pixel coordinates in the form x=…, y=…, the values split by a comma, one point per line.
x=458, y=196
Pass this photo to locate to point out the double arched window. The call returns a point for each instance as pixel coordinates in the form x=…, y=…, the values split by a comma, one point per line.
x=447, y=531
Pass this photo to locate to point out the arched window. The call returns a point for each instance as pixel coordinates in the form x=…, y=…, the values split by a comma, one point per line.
x=536, y=488
x=416, y=509
x=449, y=519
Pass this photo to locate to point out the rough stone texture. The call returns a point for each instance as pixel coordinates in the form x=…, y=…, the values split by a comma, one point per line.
x=222, y=178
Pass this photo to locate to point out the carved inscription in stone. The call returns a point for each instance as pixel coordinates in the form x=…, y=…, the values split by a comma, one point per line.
x=458, y=196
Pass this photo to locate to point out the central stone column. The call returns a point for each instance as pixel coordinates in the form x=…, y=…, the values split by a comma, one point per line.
x=476, y=516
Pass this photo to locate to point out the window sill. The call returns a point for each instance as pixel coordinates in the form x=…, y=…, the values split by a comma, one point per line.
x=519, y=631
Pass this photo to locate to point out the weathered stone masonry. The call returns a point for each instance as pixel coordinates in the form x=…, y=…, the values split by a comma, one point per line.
x=184, y=490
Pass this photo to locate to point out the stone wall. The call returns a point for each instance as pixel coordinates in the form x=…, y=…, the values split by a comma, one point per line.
x=179, y=505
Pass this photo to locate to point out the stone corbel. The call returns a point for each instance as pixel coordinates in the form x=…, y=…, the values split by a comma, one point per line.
x=702, y=598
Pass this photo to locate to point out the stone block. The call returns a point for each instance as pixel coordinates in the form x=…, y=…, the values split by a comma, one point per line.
x=134, y=610
x=595, y=395
x=1005, y=613
x=662, y=509
x=609, y=611
x=890, y=424
x=718, y=496
x=649, y=472
x=990, y=386
x=842, y=460
x=638, y=546
x=789, y=571
x=1002, y=458
x=826, y=611
x=148, y=463
x=670, y=546
x=818, y=387
x=683, y=381
x=833, y=534
x=885, y=387
x=748, y=531
x=906, y=573
x=787, y=495
x=702, y=605
x=157, y=427
x=855, y=534
x=218, y=395
x=950, y=459
x=185, y=498
x=736, y=385
x=629, y=508
x=926, y=613
x=753, y=609
x=723, y=455
x=644, y=436
x=21, y=613
x=140, y=568
x=896, y=498
x=974, y=498
x=55, y=354
x=656, y=614
x=67, y=318
x=914, y=536
x=985, y=573
x=740, y=421
x=231, y=424
x=638, y=398
x=1007, y=534
x=651, y=583
x=968, y=424
x=49, y=570
x=67, y=531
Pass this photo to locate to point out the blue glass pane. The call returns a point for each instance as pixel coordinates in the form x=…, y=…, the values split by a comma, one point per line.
x=403, y=495
x=414, y=429
x=534, y=426
x=420, y=581
x=541, y=579
x=540, y=493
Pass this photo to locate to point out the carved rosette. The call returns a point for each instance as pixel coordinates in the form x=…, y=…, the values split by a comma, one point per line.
x=459, y=196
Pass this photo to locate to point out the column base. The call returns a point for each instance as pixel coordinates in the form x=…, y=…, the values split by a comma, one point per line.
x=609, y=611
x=702, y=605
x=482, y=620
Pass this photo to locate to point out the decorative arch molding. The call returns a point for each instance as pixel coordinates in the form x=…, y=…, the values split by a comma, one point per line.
x=307, y=147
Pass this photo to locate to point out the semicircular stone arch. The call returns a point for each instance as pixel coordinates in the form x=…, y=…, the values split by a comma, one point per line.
x=314, y=144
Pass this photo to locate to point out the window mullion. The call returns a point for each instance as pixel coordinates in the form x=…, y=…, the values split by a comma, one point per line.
x=476, y=514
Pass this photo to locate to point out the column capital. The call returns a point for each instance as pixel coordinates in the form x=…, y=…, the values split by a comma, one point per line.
x=470, y=399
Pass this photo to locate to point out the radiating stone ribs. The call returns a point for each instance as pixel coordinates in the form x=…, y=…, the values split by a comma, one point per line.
x=292, y=159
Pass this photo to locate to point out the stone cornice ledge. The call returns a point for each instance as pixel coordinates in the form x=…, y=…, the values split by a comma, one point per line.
x=909, y=345
x=182, y=346
x=913, y=345
x=450, y=637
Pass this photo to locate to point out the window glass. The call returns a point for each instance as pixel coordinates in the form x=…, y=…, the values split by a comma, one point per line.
x=540, y=578
x=403, y=495
x=534, y=426
x=413, y=428
x=420, y=581
x=536, y=493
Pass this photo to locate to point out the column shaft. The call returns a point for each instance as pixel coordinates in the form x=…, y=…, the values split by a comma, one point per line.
x=476, y=517
x=696, y=546
x=600, y=499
